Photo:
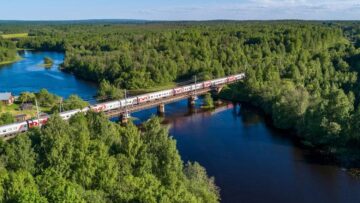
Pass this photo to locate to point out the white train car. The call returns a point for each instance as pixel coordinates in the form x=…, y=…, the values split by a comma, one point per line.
x=207, y=84
x=123, y=102
x=128, y=101
x=239, y=76
x=178, y=90
x=98, y=107
x=86, y=109
x=154, y=96
x=219, y=81
x=231, y=78
x=166, y=93
x=143, y=98
x=189, y=88
x=199, y=86
x=132, y=101
x=14, y=128
x=105, y=106
x=112, y=105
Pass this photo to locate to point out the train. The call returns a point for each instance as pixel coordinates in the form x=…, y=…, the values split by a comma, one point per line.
x=14, y=128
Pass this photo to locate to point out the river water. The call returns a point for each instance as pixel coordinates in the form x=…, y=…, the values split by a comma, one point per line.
x=29, y=75
x=251, y=162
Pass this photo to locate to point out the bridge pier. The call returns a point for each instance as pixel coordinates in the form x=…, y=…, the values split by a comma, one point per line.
x=124, y=118
x=218, y=102
x=216, y=90
x=191, y=101
x=161, y=109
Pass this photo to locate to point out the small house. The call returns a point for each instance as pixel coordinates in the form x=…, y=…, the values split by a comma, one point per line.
x=7, y=98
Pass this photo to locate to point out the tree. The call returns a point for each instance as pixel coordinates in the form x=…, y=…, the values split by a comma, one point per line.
x=74, y=102
x=7, y=50
x=107, y=91
x=46, y=99
x=48, y=62
x=208, y=101
x=57, y=189
x=203, y=187
x=26, y=97
x=20, y=155
x=91, y=159
x=3, y=179
x=56, y=146
x=21, y=187
x=290, y=107
x=6, y=118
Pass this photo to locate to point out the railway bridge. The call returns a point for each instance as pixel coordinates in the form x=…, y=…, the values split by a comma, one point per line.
x=124, y=112
x=123, y=107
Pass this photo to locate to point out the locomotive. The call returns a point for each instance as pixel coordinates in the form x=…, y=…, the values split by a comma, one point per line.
x=14, y=128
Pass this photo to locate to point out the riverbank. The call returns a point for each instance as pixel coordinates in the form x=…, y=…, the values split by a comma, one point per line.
x=239, y=146
x=343, y=157
x=18, y=58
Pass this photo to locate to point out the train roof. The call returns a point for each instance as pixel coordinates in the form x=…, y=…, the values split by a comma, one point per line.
x=14, y=124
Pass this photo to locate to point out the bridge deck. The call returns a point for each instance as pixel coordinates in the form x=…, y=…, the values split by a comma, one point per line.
x=155, y=103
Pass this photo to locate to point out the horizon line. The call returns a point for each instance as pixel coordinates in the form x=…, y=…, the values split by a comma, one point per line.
x=154, y=20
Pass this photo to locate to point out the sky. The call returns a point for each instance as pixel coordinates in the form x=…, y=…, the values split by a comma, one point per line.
x=180, y=9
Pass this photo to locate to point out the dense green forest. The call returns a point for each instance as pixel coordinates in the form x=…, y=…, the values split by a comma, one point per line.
x=303, y=74
x=7, y=50
x=91, y=159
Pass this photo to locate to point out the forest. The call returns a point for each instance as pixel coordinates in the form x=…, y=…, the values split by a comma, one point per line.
x=7, y=51
x=91, y=159
x=303, y=74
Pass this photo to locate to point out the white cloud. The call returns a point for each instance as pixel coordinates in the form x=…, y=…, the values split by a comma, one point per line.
x=307, y=4
x=266, y=9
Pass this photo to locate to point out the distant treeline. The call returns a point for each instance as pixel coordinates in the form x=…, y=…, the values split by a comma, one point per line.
x=160, y=53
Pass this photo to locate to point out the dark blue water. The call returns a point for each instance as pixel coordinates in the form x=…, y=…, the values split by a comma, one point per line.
x=250, y=161
x=29, y=75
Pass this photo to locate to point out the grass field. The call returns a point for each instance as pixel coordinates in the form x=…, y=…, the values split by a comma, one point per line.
x=14, y=109
x=15, y=35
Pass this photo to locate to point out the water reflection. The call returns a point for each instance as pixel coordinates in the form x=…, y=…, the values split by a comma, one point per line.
x=252, y=162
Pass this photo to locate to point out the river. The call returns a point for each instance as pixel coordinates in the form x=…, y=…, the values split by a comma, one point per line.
x=28, y=74
x=251, y=162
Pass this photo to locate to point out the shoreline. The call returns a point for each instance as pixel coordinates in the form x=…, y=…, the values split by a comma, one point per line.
x=329, y=157
x=18, y=58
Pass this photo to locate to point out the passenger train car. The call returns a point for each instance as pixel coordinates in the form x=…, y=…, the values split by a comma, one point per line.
x=14, y=128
